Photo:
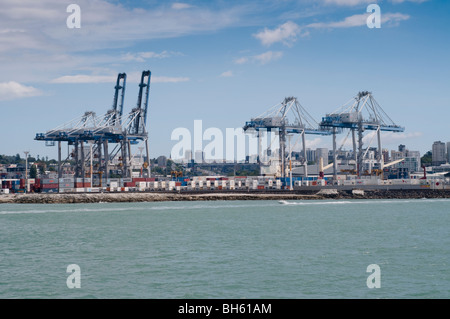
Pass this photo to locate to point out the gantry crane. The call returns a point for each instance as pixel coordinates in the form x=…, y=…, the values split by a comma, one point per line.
x=361, y=113
x=100, y=131
x=287, y=117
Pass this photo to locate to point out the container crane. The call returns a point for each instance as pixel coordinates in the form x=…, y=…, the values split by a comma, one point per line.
x=287, y=117
x=135, y=127
x=102, y=130
x=361, y=113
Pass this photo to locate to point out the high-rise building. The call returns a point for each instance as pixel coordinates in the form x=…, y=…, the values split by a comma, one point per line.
x=438, y=153
x=322, y=152
x=199, y=156
x=448, y=152
x=310, y=155
x=187, y=156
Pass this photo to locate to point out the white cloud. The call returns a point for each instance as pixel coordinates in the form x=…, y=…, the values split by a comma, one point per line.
x=81, y=78
x=313, y=144
x=241, y=60
x=13, y=90
x=227, y=74
x=35, y=33
x=359, y=20
x=361, y=2
x=180, y=6
x=262, y=58
x=401, y=1
x=387, y=138
x=285, y=33
x=348, y=2
x=133, y=77
x=104, y=24
x=142, y=56
x=168, y=79
x=268, y=56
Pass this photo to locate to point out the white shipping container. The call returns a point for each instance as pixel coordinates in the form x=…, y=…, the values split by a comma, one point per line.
x=113, y=184
x=200, y=183
x=66, y=190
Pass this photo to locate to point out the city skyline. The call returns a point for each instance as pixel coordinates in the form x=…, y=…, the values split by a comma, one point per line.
x=222, y=63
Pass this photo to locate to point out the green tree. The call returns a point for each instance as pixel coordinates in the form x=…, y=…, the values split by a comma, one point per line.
x=33, y=171
x=426, y=159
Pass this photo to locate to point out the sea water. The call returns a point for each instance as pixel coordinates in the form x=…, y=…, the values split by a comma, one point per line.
x=227, y=249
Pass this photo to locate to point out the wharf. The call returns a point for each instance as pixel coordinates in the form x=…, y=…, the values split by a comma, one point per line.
x=62, y=198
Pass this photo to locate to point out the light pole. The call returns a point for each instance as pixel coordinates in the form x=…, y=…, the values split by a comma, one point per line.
x=26, y=171
x=90, y=145
x=290, y=163
x=141, y=164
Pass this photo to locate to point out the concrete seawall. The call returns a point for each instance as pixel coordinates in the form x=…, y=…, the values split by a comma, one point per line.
x=213, y=196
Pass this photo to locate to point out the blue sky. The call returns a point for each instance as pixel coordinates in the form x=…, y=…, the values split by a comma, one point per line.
x=222, y=62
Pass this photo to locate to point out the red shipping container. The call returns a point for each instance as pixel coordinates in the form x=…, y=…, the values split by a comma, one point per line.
x=177, y=183
x=47, y=186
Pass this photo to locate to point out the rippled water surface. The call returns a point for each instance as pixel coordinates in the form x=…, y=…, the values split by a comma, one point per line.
x=227, y=249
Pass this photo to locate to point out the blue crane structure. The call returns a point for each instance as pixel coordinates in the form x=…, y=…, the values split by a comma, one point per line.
x=100, y=131
x=287, y=117
x=361, y=113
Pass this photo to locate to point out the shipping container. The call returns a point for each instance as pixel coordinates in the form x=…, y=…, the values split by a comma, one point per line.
x=50, y=190
x=48, y=186
x=66, y=190
x=49, y=181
